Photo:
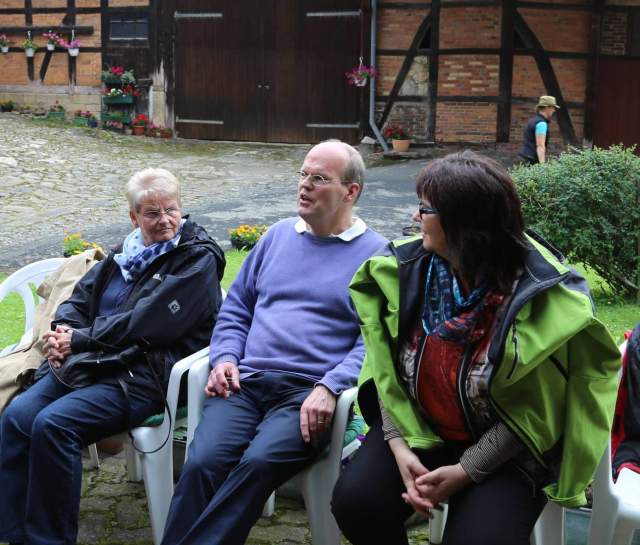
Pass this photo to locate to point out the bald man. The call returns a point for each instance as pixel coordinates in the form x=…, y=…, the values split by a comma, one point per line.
x=285, y=345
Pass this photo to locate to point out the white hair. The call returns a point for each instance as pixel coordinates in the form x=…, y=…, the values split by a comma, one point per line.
x=354, y=169
x=151, y=182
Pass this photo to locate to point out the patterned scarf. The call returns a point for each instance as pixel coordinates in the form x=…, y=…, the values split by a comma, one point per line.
x=136, y=257
x=447, y=313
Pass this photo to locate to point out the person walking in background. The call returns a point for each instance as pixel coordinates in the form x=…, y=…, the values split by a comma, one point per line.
x=536, y=132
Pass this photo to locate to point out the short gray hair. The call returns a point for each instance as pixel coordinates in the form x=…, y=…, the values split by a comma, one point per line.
x=151, y=182
x=355, y=169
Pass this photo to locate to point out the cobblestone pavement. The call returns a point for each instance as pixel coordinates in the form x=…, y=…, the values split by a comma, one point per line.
x=57, y=177
x=113, y=511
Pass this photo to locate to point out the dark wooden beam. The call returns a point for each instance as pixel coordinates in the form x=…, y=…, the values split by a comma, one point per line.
x=554, y=7
x=552, y=87
x=406, y=66
x=46, y=11
x=433, y=71
x=592, y=69
x=79, y=30
x=70, y=19
x=505, y=83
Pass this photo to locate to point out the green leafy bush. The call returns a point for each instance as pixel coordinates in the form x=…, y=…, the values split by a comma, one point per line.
x=587, y=204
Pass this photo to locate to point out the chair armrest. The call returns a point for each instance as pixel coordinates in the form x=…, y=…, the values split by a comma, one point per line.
x=340, y=420
x=198, y=376
x=626, y=489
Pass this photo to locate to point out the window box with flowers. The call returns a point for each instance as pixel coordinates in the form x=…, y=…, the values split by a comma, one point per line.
x=56, y=112
x=399, y=138
x=82, y=118
x=117, y=96
x=5, y=43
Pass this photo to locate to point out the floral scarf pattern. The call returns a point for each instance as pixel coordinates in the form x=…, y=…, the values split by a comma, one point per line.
x=135, y=257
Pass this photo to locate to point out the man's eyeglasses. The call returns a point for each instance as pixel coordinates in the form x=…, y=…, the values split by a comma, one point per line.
x=426, y=210
x=316, y=179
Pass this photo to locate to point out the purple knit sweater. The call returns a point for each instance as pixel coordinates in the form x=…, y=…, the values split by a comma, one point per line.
x=289, y=308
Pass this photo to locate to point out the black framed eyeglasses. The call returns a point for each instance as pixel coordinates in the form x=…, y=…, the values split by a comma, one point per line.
x=426, y=210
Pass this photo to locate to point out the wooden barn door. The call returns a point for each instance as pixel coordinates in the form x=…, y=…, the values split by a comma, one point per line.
x=617, y=112
x=268, y=70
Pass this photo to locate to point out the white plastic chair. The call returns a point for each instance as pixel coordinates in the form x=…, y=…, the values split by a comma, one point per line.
x=315, y=482
x=21, y=282
x=616, y=506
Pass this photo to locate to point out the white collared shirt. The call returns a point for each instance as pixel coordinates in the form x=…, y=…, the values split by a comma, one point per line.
x=357, y=228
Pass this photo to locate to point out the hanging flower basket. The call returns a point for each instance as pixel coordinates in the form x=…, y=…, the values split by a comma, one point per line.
x=4, y=48
x=30, y=52
x=5, y=43
x=51, y=47
x=74, y=51
x=360, y=75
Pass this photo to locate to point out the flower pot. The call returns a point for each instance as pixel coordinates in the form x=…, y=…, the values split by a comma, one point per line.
x=51, y=47
x=93, y=123
x=80, y=121
x=126, y=99
x=4, y=49
x=55, y=116
x=74, y=51
x=128, y=130
x=400, y=145
x=360, y=82
x=166, y=134
x=138, y=130
x=30, y=52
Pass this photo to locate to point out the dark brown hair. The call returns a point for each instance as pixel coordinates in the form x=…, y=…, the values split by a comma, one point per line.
x=479, y=210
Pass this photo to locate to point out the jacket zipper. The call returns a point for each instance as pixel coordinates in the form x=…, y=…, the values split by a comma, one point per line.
x=515, y=349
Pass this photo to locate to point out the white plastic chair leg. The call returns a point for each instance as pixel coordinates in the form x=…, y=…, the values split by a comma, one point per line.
x=549, y=528
x=158, y=484
x=436, y=524
x=270, y=506
x=134, y=469
x=317, y=490
x=93, y=456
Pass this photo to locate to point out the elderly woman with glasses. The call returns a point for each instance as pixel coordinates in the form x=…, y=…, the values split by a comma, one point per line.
x=151, y=302
x=488, y=383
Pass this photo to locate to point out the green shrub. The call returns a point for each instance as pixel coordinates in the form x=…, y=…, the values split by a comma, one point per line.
x=587, y=204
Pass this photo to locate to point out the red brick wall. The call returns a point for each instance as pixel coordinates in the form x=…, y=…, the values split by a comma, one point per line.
x=466, y=122
x=468, y=75
x=470, y=27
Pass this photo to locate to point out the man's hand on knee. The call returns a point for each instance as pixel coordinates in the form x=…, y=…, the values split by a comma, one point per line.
x=223, y=379
x=316, y=413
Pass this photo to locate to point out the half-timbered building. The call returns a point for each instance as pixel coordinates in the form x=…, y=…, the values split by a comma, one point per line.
x=466, y=71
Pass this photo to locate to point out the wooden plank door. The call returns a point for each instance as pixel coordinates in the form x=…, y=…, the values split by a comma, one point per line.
x=617, y=112
x=309, y=45
x=219, y=60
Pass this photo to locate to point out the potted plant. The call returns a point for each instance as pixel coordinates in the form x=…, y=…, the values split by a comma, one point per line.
x=153, y=130
x=7, y=106
x=245, y=237
x=360, y=75
x=112, y=75
x=399, y=137
x=29, y=47
x=56, y=112
x=116, y=95
x=139, y=124
x=166, y=132
x=72, y=47
x=82, y=118
x=52, y=40
x=5, y=43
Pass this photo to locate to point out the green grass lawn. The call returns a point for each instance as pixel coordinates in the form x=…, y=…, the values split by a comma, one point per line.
x=617, y=315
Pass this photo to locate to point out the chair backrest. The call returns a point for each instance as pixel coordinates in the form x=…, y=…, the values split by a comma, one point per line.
x=21, y=281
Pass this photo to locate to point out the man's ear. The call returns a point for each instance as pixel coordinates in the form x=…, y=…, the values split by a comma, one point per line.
x=353, y=192
x=133, y=219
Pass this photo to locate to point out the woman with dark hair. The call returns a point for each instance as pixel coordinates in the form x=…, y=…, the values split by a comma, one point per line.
x=487, y=383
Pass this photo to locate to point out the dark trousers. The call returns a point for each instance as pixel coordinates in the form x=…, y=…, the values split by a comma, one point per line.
x=368, y=506
x=42, y=433
x=243, y=449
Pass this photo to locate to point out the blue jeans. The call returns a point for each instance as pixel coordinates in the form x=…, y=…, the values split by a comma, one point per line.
x=42, y=433
x=243, y=449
